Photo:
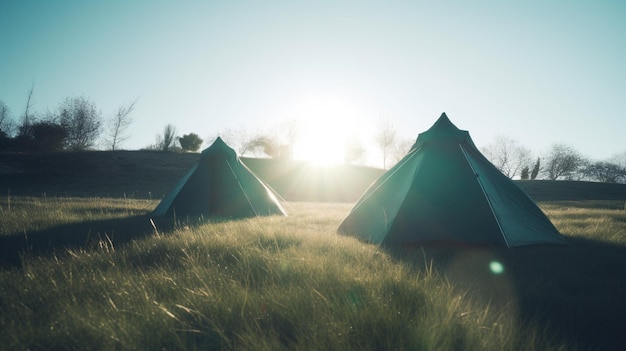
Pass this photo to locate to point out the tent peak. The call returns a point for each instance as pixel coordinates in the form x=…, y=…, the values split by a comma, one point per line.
x=444, y=123
x=218, y=141
x=443, y=127
x=219, y=146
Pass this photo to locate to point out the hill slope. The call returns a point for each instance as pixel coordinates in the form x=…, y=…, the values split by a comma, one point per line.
x=151, y=174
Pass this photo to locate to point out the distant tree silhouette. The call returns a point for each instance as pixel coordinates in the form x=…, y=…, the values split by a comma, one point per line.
x=118, y=125
x=606, y=172
x=27, y=117
x=536, y=168
x=42, y=136
x=385, y=138
x=278, y=142
x=525, y=173
x=508, y=155
x=6, y=123
x=82, y=122
x=165, y=141
x=265, y=144
x=288, y=131
x=190, y=142
x=563, y=161
x=619, y=159
x=401, y=148
x=237, y=138
x=6, y=126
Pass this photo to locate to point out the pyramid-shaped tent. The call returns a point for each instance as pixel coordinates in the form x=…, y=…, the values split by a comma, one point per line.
x=445, y=190
x=219, y=184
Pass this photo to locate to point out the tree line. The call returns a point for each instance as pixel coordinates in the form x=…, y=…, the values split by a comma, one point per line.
x=561, y=161
x=78, y=125
x=516, y=161
x=75, y=125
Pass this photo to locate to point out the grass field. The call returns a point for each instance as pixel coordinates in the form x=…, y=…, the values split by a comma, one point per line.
x=94, y=273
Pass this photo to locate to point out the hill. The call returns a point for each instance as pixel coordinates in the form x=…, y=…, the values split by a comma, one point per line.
x=151, y=174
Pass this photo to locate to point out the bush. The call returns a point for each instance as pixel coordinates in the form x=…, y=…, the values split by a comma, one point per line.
x=40, y=137
x=190, y=142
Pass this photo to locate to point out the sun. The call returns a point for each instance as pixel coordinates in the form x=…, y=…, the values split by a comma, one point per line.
x=320, y=143
x=324, y=129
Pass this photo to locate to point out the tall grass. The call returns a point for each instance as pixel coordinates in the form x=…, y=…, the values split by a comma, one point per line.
x=27, y=214
x=266, y=283
x=595, y=220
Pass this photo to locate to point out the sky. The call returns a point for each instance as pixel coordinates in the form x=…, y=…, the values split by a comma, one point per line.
x=539, y=72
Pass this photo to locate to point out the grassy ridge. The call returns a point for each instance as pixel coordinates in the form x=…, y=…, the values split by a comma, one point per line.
x=137, y=174
x=150, y=175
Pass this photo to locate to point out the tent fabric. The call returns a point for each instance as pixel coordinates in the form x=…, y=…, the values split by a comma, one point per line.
x=445, y=190
x=220, y=185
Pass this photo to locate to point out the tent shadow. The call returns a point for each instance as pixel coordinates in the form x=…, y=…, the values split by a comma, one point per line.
x=82, y=235
x=572, y=293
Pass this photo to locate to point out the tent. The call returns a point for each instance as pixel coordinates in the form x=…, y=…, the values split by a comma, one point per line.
x=445, y=190
x=219, y=184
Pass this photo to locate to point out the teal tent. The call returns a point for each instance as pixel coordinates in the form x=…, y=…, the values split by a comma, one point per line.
x=220, y=185
x=445, y=190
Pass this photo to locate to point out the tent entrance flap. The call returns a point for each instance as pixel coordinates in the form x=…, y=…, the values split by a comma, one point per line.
x=482, y=187
x=521, y=220
x=241, y=188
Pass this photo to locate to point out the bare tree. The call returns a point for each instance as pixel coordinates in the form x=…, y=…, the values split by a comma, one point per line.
x=289, y=132
x=276, y=143
x=606, y=172
x=385, y=138
x=82, y=121
x=401, y=148
x=619, y=159
x=270, y=146
x=27, y=118
x=165, y=141
x=236, y=138
x=562, y=161
x=6, y=123
x=508, y=155
x=118, y=125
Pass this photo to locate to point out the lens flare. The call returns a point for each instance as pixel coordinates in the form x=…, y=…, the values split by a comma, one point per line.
x=496, y=267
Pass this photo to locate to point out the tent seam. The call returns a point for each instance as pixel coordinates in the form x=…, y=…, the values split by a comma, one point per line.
x=495, y=216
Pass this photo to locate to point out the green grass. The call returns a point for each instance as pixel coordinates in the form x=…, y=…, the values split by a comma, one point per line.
x=95, y=274
x=28, y=214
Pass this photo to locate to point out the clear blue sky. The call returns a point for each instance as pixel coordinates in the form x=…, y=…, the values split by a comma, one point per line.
x=537, y=71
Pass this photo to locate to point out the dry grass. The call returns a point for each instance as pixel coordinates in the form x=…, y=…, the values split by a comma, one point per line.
x=272, y=283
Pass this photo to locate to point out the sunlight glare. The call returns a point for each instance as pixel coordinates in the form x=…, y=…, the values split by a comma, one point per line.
x=325, y=123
